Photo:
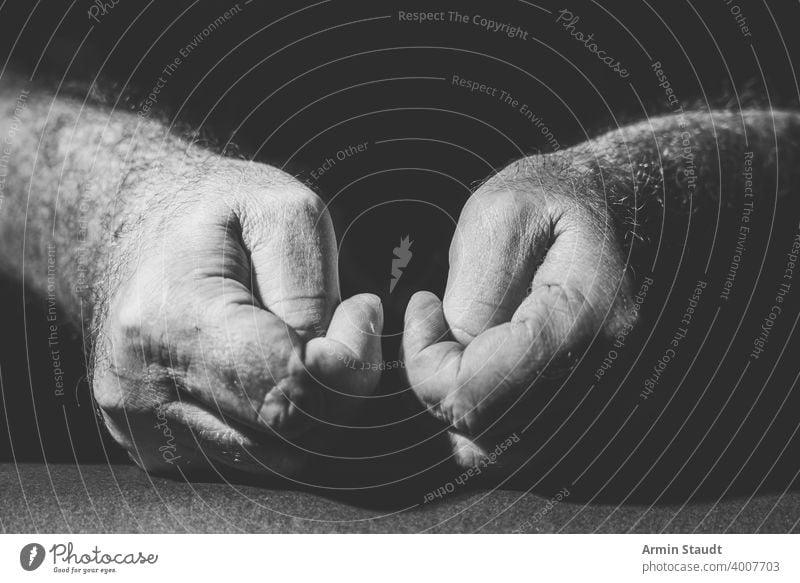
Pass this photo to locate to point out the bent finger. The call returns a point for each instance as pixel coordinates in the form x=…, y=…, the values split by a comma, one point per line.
x=580, y=290
x=292, y=247
x=346, y=362
x=500, y=238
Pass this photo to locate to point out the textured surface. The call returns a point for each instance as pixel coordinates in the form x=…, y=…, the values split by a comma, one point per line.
x=96, y=498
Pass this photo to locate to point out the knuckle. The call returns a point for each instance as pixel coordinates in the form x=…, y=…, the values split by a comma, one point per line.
x=300, y=202
x=275, y=200
x=498, y=202
x=285, y=406
x=498, y=224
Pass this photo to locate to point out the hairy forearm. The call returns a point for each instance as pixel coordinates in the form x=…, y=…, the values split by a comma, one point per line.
x=698, y=166
x=77, y=182
x=674, y=182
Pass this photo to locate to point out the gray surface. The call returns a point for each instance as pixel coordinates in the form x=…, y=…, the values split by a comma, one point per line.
x=96, y=498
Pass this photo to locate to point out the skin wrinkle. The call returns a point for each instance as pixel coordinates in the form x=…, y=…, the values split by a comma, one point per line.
x=132, y=203
x=180, y=366
x=618, y=203
x=125, y=181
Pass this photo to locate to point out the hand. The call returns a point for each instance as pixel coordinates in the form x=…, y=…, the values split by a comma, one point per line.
x=537, y=272
x=226, y=345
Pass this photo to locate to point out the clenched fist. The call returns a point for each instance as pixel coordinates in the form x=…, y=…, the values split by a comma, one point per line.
x=537, y=272
x=225, y=343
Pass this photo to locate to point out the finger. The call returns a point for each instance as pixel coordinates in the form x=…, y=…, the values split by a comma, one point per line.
x=262, y=280
x=459, y=384
x=346, y=362
x=356, y=328
x=432, y=357
x=253, y=369
x=236, y=356
x=222, y=349
x=220, y=345
x=424, y=323
x=582, y=285
x=290, y=239
x=500, y=238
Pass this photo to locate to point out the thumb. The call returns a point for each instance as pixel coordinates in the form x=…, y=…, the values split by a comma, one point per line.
x=356, y=327
x=346, y=362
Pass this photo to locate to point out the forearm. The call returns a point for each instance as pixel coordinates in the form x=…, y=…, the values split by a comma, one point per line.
x=76, y=181
x=675, y=183
x=697, y=165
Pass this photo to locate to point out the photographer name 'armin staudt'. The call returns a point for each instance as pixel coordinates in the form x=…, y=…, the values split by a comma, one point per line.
x=682, y=550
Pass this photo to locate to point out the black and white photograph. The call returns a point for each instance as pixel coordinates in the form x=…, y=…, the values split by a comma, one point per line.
x=332, y=267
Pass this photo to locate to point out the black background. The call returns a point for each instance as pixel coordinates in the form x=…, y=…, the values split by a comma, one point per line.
x=293, y=83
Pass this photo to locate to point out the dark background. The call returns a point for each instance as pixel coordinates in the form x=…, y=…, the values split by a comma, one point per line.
x=292, y=86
